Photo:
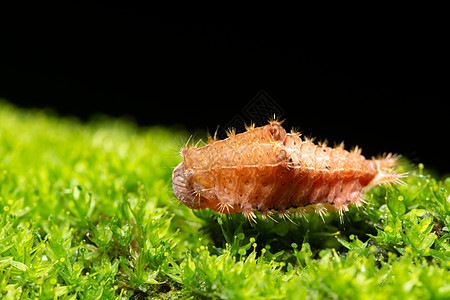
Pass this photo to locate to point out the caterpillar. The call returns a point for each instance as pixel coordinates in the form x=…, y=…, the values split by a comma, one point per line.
x=268, y=170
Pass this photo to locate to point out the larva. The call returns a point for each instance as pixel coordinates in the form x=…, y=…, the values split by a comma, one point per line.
x=268, y=170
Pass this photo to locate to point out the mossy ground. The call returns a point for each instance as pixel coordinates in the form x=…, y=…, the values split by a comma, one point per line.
x=87, y=212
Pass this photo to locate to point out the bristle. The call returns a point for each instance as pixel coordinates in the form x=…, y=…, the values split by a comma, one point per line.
x=340, y=146
x=196, y=194
x=309, y=139
x=321, y=210
x=222, y=206
x=287, y=216
x=356, y=150
x=341, y=208
x=274, y=119
x=361, y=207
x=186, y=145
x=392, y=178
x=323, y=143
x=270, y=217
x=250, y=127
x=296, y=131
x=215, y=133
x=387, y=161
x=251, y=217
x=301, y=212
x=231, y=132
x=363, y=200
x=341, y=215
x=386, y=178
x=198, y=142
x=269, y=214
x=398, y=179
x=211, y=140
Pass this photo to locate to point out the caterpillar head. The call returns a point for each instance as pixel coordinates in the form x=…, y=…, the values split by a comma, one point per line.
x=186, y=191
x=181, y=187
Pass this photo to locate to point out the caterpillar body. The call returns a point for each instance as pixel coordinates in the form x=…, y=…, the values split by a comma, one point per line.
x=268, y=170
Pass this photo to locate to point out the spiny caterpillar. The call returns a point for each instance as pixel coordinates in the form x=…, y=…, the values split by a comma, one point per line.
x=268, y=170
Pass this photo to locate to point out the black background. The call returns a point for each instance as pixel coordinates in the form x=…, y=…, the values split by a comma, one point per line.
x=369, y=81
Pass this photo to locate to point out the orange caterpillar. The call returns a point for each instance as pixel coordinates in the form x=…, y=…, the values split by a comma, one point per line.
x=268, y=170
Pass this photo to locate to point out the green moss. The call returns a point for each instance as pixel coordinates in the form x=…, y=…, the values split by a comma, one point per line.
x=86, y=211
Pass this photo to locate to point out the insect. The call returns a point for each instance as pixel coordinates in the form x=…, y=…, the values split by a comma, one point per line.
x=268, y=170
